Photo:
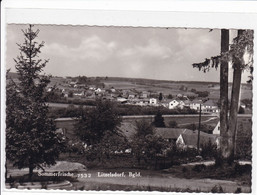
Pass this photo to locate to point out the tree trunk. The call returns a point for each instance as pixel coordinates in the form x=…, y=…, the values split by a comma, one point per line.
x=224, y=96
x=31, y=167
x=235, y=94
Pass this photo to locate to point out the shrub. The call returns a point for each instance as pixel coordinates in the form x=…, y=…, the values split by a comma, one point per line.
x=199, y=168
x=208, y=149
x=241, y=110
x=173, y=124
x=184, y=170
x=238, y=190
x=217, y=189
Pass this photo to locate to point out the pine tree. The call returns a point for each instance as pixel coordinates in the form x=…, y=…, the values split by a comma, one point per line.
x=159, y=120
x=31, y=140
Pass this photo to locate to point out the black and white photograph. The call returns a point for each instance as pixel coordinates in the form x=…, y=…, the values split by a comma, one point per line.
x=128, y=108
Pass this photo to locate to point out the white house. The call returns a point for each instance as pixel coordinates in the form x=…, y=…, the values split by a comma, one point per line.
x=176, y=104
x=98, y=90
x=153, y=101
x=189, y=139
x=181, y=104
x=210, y=107
x=173, y=104
x=216, y=130
x=195, y=105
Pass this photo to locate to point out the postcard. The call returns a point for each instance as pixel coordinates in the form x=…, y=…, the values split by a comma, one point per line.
x=113, y=101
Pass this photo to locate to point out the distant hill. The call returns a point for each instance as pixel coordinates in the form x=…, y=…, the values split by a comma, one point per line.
x=12, y=75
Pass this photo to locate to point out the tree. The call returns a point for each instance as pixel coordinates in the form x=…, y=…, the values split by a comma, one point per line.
x=95, y=122
x=242, y=44
x=31, y=140
x=143, y=128
x=160, y=96
x=159, y=120
x=170, y=96
x=145, y=143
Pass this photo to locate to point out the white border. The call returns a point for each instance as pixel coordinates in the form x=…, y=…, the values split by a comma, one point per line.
x=155, y=13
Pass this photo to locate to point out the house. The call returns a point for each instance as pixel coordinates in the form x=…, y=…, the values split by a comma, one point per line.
x=210, y=107
x=98, y=90
x=79, y=93
x=189, y=139
x=185, y=138
x=181, y=104
x=216, y=130
x=145, y=94
x=173, y=104
x=152, y=101
x=142, y=102
x=113, y=90
x=187, y=103
x=73, y=83
x=122, y=100
x=66, y=126
x=243, y=106
x=169, y=134
x=176, y=104
x=195, y=105
x=132, y=95
x=165, y=103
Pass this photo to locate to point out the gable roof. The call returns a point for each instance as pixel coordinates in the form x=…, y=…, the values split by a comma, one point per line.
x=190, y=139
x=169, y=133
x=196, y=101
x=209, y=103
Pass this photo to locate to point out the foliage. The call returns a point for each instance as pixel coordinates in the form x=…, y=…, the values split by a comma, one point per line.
x=241, y=110
x=244, y=141
x=191, y=126
x=248, y=103
x=202, y=93
x=208, y=150
x=217, y=189
x=110, y=144
x=95, y=122
x=145, y=145
x=241, y=45
x=30, y=135
x=170, y=96
x=143, y=128
x=173, y=124
x=160, y=96
x=204, y=127
x=159, y=120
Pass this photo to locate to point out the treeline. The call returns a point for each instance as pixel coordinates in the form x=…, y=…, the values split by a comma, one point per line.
x=121, y=109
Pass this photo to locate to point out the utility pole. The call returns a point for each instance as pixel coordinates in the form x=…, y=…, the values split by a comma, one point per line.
x=198, y=140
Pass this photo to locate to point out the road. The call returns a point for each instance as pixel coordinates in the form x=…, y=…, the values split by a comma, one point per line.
x=161, y=180
x=146, y=179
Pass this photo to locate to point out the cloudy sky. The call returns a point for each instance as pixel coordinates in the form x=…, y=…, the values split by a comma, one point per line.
x=155, y=53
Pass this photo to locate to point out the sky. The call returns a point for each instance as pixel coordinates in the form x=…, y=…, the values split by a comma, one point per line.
x=134, y=52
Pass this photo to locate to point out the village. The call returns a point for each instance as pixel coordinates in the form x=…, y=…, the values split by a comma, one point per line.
x=137, y=97
x=179, y=134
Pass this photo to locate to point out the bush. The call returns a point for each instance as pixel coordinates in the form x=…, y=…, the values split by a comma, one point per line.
x=208, y=150
x=217, y=189
x=173, y=124
x=241, y=110
x=199, y=168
